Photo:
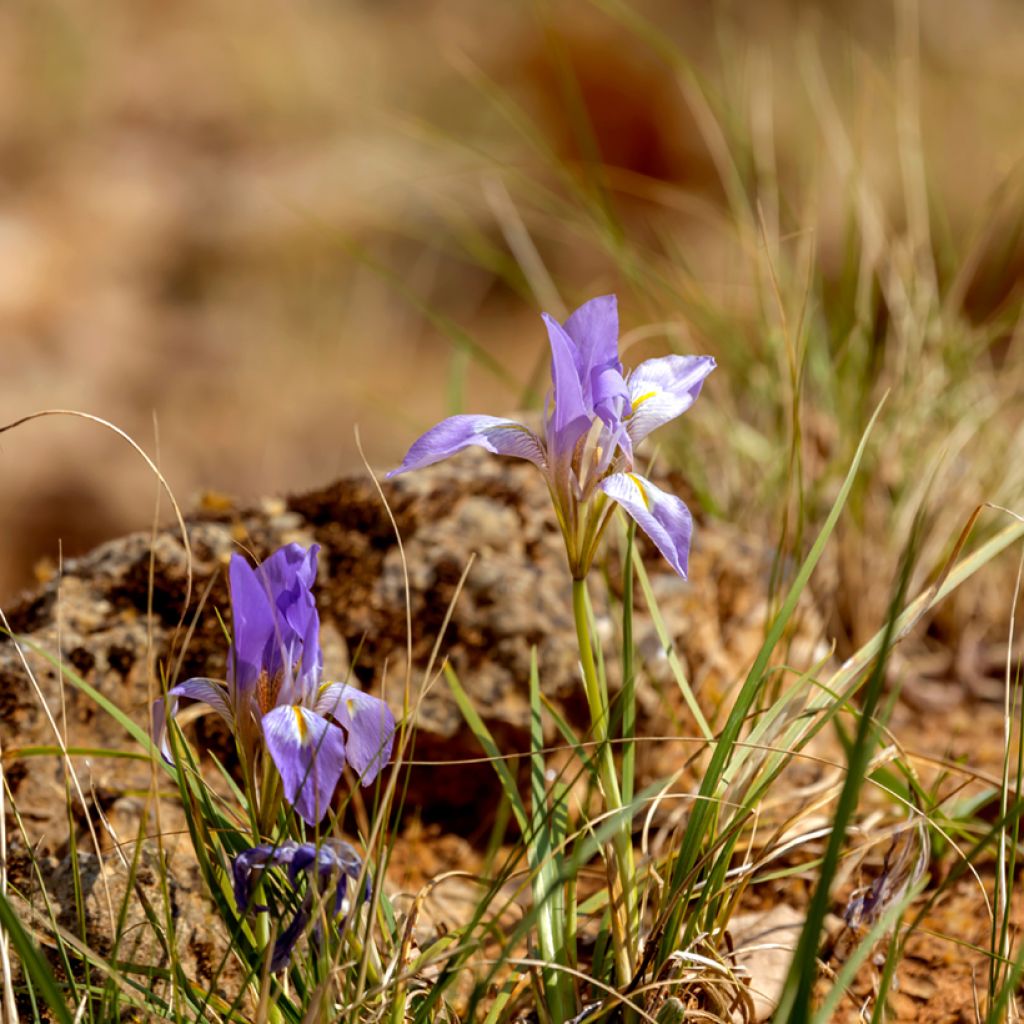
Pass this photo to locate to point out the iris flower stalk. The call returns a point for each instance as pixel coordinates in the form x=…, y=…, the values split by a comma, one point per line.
x=295, y=732
x=595, y=418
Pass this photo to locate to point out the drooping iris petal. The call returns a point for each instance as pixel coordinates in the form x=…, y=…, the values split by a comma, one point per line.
x=369, y=725
x=497, y=435
x=664, y=388
x=287, y=939
x=206, y=690
x=348, y=863
x=246, y=870
x=252, y=621
x=309, y=753
x=333, y=860
x=663, y=517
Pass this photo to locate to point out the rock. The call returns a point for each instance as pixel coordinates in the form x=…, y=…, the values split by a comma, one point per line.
x=763, y=946
x=93, y=623
x=117, y=897
x=93, y=620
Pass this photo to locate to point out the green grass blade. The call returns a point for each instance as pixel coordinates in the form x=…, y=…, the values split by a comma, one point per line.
x=796, y=998
x=34, y=962
x=548, y=894
x=667, y=645
x=696, y=833
x=486, y=740
x=628, y=697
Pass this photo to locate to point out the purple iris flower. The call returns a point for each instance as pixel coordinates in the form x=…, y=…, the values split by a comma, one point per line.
x=333, y=860
x=596, y=416
x=274, y=694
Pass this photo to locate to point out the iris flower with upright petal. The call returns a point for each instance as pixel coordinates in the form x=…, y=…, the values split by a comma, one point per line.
x=596, y=417
x=274, y=694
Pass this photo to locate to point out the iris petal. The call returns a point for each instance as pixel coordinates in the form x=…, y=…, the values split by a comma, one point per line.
x=662, y=389
x=252, y=624
x=309, y=753
x=594, y=330
x=289, y=574
x=208, y=691
x=497, y=435
x=594, y=327
x=663, y=517
x=368, y=722
x=571, y=416
x=332, y=861
x=246, y=870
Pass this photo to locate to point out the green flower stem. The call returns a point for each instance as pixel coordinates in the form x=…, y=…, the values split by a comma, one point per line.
x=624, y=915
x=270, y=798
x=261, y=930
x=374, y=966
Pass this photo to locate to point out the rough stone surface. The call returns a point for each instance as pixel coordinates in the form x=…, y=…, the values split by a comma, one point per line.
x=121, y=619
x=93, y=620
x=119, y=897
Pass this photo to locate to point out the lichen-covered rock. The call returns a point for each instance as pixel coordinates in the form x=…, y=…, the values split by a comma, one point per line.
x=94, y=621
x=139, y=913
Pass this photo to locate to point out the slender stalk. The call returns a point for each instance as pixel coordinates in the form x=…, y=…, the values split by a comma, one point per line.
x=261, y=930
x=628, y=678
x=624, y=914
x=270, y=798
x=548, y=892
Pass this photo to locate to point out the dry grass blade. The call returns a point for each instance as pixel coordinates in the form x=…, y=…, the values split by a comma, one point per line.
x=154, y=469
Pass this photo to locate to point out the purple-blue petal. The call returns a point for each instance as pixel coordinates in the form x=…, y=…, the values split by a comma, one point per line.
x=206, y=690
x=276, y=626
x=664, y=388
x=368, y=723
x=497, y=435
x=287, y=939
x=594, y=329
x=252, y=622
x=246, y=869
x=290, y=573
x=610, y=394
x=571, y=415
x=309, y=753
x=332, y=860
x=303, y=855
x=663, y=517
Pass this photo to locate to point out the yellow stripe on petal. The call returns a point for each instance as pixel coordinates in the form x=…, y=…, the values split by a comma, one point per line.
x=640, y=487
x=643, y=398
x=300, y=724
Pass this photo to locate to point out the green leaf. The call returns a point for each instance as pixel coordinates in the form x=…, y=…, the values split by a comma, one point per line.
x=698, y=827
x=486, y=740
x=34, y=962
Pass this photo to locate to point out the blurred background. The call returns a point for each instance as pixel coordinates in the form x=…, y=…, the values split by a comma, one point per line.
x=237, y=230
